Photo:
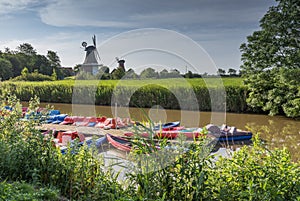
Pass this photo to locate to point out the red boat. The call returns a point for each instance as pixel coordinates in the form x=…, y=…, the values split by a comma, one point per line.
x=119, y=143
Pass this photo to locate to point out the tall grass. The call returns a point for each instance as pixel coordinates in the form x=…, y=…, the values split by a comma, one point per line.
x=168, y=93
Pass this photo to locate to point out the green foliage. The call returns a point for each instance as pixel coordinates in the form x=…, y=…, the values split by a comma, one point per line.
x=35, y=76
x=160, y=92
x=85, y=76
x=26, y=192
x=5, y=69
x=169, y=174
x=254, y=173
x=269, y=55
x=26, y=56
x=28, y=155
x=54, y=75
x=149, y=73
x=221, y=71
x=231, y=71
x=117, y=74
x=27, y=49
x=24, y=72
x=53, y=59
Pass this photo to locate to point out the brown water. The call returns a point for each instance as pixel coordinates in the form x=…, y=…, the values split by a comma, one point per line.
x=275, y=131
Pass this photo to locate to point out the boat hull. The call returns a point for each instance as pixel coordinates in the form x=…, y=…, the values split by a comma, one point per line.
x=119, y=143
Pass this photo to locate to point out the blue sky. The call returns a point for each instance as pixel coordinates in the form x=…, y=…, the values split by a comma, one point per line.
x=218, y=26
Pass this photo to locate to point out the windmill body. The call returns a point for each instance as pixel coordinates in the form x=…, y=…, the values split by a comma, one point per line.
x=91, y=62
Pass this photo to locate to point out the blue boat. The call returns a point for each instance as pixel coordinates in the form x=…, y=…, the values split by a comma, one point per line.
x=167, y=125
x=227, y=133
x=89, y=142
x=56, y=119
x=245, y=136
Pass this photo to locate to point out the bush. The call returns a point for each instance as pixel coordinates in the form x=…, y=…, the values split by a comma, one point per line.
x=24, y=191
x=254, y=173
x=32, y=77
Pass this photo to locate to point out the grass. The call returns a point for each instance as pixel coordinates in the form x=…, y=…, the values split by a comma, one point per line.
x=164, y=92
x=163, y=82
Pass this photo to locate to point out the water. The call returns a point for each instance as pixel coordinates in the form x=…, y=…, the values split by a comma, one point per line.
x=276, y=131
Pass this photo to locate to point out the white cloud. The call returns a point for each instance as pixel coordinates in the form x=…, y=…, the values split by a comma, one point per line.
x=9, y=6
x=157, y=13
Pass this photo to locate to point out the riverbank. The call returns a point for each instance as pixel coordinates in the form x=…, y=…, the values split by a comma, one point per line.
x=186, y=94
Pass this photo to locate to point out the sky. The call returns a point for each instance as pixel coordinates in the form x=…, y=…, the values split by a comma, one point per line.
x=177, y=34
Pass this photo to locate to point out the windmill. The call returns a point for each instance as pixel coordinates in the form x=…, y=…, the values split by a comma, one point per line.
x=92, y=59
x=121, y=64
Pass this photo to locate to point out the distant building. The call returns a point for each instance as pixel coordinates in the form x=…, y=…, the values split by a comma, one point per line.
x=122, y=64
x=91, y=62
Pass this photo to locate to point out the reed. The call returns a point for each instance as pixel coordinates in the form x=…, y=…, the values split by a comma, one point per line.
x=169, y=93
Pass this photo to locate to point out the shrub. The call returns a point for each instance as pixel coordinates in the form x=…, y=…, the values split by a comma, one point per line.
x=32, y=77
x=254, y=173
x=24, y=191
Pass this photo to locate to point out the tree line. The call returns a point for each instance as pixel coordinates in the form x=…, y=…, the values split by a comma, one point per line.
x=13, y=62
x=148, y=73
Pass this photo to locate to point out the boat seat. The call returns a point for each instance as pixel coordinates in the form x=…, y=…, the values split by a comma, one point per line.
x=232, y=130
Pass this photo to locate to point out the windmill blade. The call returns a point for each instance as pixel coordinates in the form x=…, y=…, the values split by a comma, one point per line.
x=94, y=40
x=98, y=54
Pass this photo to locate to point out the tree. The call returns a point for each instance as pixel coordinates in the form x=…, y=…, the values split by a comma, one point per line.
x=117, y=74
x=189, y=74
x=104, y=69
x=221, y=71
x=41, y=63
x=174, y=73
x=231, y=72
x=53, y=59
x=164, y=73
x=27, y=49
x=5, y=69
x=16, y=64
x=130, y=74
x=149, y=73
x=271, y=59
x=77, y=68
x=103, y=73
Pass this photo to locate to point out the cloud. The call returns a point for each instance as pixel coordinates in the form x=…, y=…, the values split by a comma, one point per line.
x=155, y=13
x=219, y=25
x=10, y=6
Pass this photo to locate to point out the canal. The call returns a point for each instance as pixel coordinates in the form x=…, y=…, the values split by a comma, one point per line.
x=276, y=132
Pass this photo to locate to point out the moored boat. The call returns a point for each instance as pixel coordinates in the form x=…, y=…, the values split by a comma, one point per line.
x=227, y=133
x=72, y=139
x=119, y=143
x=167, y=126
